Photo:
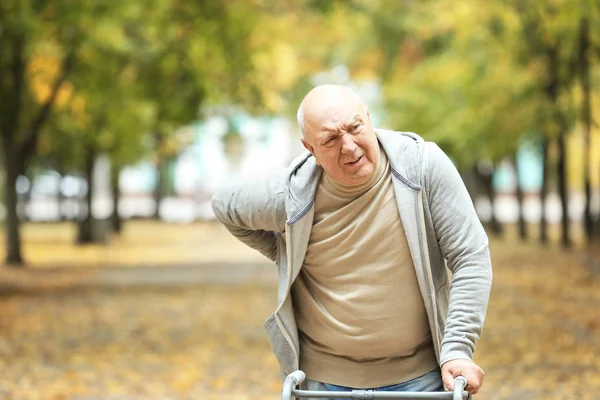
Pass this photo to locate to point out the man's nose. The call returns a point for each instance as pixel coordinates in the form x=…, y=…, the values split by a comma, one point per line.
x=348, y=145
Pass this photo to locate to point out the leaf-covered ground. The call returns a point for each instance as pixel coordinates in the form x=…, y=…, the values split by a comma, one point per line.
x=64, y=337
x=542, y=335
x=142, y=343
x=50, y=245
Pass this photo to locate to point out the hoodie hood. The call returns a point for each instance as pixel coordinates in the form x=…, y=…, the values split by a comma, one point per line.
x=404, y=151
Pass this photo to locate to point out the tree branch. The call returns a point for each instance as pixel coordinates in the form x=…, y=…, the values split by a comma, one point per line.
x=29, y=141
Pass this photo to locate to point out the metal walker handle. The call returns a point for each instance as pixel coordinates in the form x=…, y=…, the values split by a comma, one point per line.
x=297, y=377
x=291, y=381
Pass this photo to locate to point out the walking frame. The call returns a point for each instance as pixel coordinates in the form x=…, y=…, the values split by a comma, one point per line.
x=294, y=379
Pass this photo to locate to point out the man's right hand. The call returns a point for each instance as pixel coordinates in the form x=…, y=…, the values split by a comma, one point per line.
x=465, y=368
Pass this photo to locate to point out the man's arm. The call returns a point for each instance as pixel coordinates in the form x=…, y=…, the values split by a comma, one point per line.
x=464, y=244
x=253, y=211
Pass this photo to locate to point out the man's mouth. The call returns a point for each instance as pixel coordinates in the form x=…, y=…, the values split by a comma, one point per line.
x=354, y=161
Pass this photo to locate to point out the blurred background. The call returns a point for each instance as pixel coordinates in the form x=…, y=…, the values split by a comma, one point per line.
x=118, y=120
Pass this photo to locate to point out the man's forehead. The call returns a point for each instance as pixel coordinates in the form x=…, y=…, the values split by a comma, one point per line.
x=323, y=115
x=344, y=120
x=334, y=115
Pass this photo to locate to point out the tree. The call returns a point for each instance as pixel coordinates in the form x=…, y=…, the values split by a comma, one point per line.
x=585, y=80
x=586, y=51
x=519, y=193
x=550, y=40
x=39, y=46
x=451, y=76
x=99, y=118
x=191, y=53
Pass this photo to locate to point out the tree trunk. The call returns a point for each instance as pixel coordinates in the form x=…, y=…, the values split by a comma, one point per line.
x=544, y=193
x=552, y=91
x=160, y=173
x=469, y=177
x=23, y=200
x=12, y=224
x=17, y=153
x=584, y=69
x=596, y=225
x=562, y=190
x=13, y=161
x=519, y=192
x=596, y=228
x=116, y=222
x=159, y=190
x=486, y=175
x=85, y=233
x=496, y=226
x=594, y=247
x=60, y=199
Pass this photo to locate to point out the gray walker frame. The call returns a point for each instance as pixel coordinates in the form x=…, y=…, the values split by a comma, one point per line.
x=290, y=392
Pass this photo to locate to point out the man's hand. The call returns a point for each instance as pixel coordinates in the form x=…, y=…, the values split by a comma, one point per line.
x=471, y=371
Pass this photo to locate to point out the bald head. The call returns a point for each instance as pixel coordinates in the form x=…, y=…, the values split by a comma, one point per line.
x=336, y=129
x=322, y=100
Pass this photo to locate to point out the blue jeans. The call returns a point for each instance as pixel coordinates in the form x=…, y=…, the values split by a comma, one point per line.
x=430, y=382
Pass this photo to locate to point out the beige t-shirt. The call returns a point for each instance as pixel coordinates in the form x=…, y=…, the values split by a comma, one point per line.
x=360, y=314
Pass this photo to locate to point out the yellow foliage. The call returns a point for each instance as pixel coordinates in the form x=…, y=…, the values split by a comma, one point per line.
x=278, y=72
x=42, y=72
x=367, y=65
x=78, y=105
x=576, y=148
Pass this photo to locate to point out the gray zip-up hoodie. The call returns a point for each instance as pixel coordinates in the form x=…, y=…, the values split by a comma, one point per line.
x=447, y=242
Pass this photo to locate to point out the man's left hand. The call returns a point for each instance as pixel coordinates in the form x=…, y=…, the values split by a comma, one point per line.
x=466, y=368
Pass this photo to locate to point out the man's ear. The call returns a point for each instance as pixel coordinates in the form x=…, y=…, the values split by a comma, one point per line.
x=307, y=146
x=310, y=148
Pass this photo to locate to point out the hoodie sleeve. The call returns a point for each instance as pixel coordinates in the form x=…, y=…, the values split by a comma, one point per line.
x=253, y=211
x=464, y=245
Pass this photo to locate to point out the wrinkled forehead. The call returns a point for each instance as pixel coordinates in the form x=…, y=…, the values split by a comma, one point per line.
x=334, y=116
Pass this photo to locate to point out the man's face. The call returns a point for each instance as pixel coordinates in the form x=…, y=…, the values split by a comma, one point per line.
x=343, y=142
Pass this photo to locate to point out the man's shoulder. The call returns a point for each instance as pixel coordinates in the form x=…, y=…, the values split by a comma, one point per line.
x=299, y=161
x=408, y=147
x=405, y=150
x=408, y=138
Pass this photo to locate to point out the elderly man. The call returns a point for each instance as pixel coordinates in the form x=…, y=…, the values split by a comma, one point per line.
x=384, y=267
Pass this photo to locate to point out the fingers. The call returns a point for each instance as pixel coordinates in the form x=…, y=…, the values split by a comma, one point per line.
x=472, y=373
x=448, y=380
x=474, y=381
